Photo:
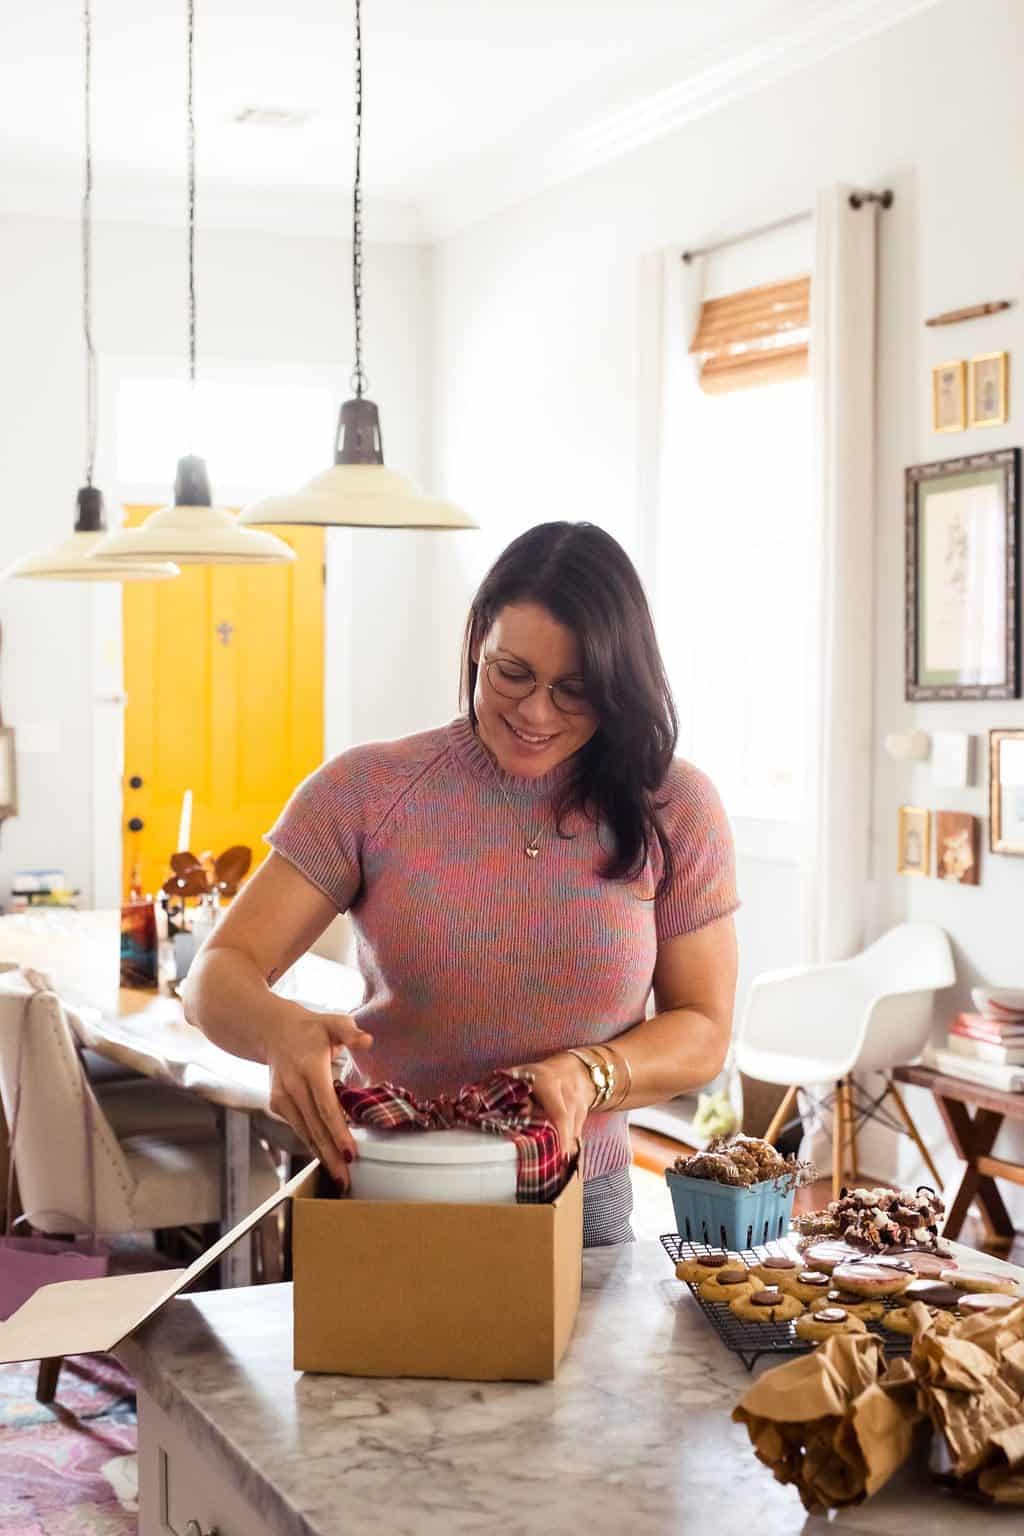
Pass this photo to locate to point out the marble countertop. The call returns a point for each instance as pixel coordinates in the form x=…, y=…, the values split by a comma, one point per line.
x=633, y=1436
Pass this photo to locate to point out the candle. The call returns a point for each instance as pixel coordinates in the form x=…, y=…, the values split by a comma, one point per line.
x=185, y=824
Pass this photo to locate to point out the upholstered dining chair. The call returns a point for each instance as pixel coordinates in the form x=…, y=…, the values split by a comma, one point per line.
x=822, y=1024
x=156, y=1166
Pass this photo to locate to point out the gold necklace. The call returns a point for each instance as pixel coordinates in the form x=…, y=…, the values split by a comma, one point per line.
x=532, y=848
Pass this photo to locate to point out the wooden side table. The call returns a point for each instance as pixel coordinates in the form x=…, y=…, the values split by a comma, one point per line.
x=973, y=1136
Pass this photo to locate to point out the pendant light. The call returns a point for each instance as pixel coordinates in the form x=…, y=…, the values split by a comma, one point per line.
x=72, y=559
x=358, y=491
x=193, y=531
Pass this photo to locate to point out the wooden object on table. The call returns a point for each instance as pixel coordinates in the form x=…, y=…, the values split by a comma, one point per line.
x=973, y=1137
x=972, y=312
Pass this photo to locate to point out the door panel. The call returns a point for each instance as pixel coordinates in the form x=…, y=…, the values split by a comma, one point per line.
x=224, y=677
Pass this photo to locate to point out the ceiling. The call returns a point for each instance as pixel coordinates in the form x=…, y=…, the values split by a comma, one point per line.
x=470, y=105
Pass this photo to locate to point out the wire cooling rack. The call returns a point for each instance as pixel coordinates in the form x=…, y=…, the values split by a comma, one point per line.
x=752, y=1340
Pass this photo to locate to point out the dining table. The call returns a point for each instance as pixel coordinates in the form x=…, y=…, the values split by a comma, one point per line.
x=144, y=1030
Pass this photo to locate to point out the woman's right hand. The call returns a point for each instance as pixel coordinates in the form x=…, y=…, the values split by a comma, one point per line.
x=302, y=1087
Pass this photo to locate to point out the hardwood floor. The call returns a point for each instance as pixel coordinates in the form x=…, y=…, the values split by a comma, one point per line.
x=653, y=1154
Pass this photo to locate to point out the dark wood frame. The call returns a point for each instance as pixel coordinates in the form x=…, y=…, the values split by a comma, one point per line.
x=972, y=1138
x=996, y=843
x=1008, y=460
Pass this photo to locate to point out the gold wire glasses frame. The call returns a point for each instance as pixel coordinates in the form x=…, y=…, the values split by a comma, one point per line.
x=513, y=681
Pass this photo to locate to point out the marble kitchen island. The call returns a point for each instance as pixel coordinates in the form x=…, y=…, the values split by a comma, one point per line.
x=633, y=1437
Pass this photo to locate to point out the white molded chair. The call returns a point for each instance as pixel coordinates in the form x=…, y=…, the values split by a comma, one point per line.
x=823, y=1023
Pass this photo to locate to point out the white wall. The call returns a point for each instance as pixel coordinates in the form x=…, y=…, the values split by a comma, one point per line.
x=261, y=297
x=540, y=348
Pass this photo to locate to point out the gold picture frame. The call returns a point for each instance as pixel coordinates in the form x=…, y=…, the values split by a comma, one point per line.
x=949, y=396
x=914, y=848
x=989, y=391
x=1006, y=791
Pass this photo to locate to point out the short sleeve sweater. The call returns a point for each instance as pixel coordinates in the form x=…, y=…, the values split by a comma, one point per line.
x=474, y=956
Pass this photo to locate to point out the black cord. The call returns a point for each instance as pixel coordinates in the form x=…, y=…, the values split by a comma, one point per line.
x=359, y=380
x=90, y=351
x=191, y=202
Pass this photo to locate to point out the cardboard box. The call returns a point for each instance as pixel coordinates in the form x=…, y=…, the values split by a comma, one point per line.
x=469, y=1292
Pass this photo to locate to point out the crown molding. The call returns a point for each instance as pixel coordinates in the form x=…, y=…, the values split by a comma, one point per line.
x=320, y=212
x=793, y=39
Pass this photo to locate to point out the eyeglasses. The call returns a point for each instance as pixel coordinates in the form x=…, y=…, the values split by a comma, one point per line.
x=514, y=681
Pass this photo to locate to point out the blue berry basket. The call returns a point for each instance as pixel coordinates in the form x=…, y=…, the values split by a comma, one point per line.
x=730, y=1216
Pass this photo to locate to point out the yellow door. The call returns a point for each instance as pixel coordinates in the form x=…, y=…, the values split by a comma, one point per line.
x=224, y=677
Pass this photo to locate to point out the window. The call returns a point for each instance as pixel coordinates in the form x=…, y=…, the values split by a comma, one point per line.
x=260, y=428
x=737, y=553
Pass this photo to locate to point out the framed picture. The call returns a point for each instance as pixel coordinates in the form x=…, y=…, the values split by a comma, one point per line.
x=1006, y=791
x=8, y=776
x=914, y=854
x=956, y=847
x=962, y=611
x=949, y=397
x=990, y=389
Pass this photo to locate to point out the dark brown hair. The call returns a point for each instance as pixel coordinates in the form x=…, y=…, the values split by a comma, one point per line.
x=587, y=582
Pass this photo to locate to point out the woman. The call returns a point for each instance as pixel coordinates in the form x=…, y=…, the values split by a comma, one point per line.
x=518, y=880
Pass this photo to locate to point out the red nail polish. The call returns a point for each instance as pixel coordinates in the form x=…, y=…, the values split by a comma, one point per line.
x=347, y=1155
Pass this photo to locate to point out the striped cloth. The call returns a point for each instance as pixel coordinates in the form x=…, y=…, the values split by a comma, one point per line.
x=502, y=1104
x=607, y=1207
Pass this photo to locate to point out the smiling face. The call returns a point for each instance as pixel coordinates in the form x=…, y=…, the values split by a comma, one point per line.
x=530, y=736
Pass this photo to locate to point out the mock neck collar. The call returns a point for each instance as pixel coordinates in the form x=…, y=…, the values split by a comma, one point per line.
x=475, y=757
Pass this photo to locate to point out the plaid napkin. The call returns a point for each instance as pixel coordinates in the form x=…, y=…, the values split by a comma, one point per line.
x=502, y=1104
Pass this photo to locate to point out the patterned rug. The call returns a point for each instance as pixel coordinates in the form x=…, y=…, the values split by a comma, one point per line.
x=68, y=1468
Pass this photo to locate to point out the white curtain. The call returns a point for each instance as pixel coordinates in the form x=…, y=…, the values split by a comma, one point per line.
x=670, y=394
x=837, y=825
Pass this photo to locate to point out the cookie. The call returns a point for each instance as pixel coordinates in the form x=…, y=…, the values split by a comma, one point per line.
x=770, y=1305
x=858, y=1306
x=933, y=1293
x=974, y=1302
x=927, y=1263
x=872, y=1277
x=702, y=1266
x=777, y=1269
x=809, y=1285
x=980, y=1280
x=917, y=1318
x=729, y=1283
x=817, y=1326
x=826, y=1255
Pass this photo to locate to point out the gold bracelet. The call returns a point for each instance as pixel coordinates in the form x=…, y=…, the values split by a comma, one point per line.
x=598, y=1074
x=606, y=1098
x=620, y=1057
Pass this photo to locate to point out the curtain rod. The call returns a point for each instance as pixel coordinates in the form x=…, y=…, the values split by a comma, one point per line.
x=857, y=200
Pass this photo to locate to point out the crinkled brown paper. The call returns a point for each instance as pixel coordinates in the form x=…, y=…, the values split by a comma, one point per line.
x=838, y=1423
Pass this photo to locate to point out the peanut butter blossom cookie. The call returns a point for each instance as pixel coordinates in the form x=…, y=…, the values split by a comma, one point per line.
x=857, y=1306
x=818, y=1326
x=729, y=1284
x=768, y=1305
x=777, y=1269
x=702, y=1266
x=809, y=1285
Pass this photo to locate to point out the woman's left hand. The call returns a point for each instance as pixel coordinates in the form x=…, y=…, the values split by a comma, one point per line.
x=563, y=1089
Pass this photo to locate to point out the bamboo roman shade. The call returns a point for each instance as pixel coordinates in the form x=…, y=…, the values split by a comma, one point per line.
x=759, y=336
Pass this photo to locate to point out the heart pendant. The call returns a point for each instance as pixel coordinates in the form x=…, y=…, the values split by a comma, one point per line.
x=531, y=853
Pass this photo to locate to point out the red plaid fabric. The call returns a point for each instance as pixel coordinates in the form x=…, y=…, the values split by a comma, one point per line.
x=502, y=1104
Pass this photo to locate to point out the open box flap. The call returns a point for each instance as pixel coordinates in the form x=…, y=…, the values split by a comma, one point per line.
x=84, y=1317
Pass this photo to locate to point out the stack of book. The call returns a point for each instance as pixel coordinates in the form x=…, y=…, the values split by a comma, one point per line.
x=988, y=1047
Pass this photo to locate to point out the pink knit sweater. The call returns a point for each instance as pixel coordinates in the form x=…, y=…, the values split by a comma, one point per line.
x=474, y=956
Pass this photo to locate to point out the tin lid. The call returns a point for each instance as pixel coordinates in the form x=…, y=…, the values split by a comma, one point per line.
x=419, y=1148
